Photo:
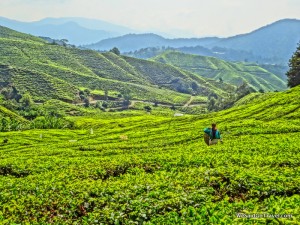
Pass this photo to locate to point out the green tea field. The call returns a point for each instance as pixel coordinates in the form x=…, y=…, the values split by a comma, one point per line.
x=138, y=168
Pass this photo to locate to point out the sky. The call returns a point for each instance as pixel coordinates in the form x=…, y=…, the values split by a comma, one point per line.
x=179, y=18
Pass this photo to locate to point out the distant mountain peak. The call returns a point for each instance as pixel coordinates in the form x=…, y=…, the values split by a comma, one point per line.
x=77, y=30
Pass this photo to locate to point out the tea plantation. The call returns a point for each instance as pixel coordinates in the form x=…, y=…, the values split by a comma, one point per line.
x=137, y=168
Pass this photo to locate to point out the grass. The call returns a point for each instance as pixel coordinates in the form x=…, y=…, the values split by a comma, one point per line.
x=155, y=169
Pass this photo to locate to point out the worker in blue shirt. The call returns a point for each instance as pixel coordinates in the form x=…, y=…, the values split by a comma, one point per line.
x=212, y=135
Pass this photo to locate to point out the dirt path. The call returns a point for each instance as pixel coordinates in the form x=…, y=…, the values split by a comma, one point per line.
x=189, y=101
x=133, y=102
x=152, y=103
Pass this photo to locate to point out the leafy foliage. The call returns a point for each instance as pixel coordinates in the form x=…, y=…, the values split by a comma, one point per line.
x=294, y=71
x=115, y=50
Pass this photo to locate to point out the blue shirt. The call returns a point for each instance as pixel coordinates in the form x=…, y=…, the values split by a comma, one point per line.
x=210, y=133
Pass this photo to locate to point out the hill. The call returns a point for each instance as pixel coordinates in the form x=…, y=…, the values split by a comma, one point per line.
x=49, y=71
x=77, y=30
x=217, y=52
x=156, y=169
x=275, y=42
x=133, y=42
x=282, y=107
x=230, y=72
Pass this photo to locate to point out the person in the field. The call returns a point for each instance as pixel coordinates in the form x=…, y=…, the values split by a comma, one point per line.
x=212, y=135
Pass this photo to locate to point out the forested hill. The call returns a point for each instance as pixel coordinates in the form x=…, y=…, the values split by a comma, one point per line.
x=231, y=72
x=273, y=43
x=132, y=42
x=47, y=71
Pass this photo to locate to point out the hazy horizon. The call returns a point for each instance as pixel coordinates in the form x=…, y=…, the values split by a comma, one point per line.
x=189, y=18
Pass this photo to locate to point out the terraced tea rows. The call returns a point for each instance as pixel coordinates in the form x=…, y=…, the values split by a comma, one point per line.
x=146, y=169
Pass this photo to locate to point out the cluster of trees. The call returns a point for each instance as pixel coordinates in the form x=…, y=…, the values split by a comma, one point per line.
x=23, y=105
x=9, y=124
x=216, y=103
x=115, y=50
x=14, y=101
x=146, y=53
x=85, y=97
x=294, y=72
x=125, y=96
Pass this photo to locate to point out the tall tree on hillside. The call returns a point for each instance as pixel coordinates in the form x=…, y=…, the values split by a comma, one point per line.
x=64, y=42
x=115, y=50
x=294, y=72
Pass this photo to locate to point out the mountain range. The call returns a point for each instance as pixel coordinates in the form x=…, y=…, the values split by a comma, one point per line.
x=273, y=43
x=76, y=30
x=132, y=42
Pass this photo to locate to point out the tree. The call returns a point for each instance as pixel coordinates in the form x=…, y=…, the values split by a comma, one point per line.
x=211, y=104
x=86, y=102
x=84, y=94
x=294, y=72
x=104, y=105
x=147, y=108
x=194, y=86
x=115, y=50
x=99, y=105
x=64, y=42
x=26, y=100
x=87, y=92
x=243, y=90
x=106, y=94
x=10, y=92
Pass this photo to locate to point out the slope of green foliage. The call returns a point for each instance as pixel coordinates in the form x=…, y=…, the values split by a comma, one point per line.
x=149, y=169
x=31, y=64
x=230, y=72
x=269, y=106
x=247, y=99
x=4, y=112
x=11, y=121
x=40, y=85
x=9, y=33
x=183, y=81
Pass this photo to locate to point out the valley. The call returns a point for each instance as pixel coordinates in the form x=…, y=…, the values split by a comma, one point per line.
x=89, y=137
